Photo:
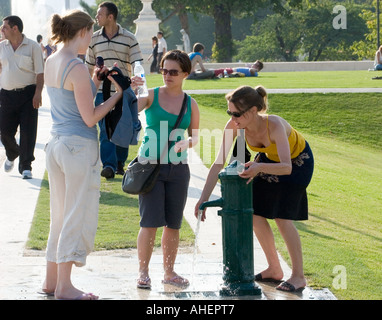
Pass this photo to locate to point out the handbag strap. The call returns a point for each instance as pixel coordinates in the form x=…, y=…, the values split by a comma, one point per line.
x=177, y=123
x=182, y=113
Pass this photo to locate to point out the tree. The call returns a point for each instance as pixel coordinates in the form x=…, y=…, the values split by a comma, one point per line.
x=166, y=9
x=222, y=10
x=366, y=47
x=320, y=34
x=307, y=32
x=276, y=38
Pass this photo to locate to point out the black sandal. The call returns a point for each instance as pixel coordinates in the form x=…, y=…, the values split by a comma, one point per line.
x=259, y=278
x=288, y=287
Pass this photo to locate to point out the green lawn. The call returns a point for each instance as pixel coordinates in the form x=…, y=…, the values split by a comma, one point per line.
x=344, y=230
x=285, y=80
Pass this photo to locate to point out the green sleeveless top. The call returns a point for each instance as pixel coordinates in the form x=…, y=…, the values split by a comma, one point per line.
x=159, y=125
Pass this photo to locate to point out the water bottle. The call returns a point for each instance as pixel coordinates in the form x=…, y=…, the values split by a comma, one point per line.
x=225, y=73
x=140, y=71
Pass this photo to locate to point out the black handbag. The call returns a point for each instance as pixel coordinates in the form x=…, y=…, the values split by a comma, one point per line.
x=140, y=177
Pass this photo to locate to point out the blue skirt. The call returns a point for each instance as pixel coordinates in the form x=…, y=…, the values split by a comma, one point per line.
x=284, y=197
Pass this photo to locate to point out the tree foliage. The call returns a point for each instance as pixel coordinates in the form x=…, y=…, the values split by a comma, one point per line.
x=223, y=10
x=366, y=47
x=166, y=9
x=304, y=33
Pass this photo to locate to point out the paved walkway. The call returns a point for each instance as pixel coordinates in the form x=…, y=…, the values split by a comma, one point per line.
x=112, y=274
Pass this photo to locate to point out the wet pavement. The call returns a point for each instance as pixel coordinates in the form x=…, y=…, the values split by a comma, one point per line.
x=112, y=274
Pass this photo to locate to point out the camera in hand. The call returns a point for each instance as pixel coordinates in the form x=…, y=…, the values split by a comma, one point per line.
x=100, y=64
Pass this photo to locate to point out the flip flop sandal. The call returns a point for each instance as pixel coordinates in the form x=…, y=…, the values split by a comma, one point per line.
x=144, y=283
x=177, y=281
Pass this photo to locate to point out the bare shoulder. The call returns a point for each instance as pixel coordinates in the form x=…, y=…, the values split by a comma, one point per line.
x=278, y=125
x=194, y=104
x=79, y=73
x=79, y=68
x=275, y=121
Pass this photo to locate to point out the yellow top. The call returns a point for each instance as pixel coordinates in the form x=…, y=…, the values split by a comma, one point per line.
x=296, y=144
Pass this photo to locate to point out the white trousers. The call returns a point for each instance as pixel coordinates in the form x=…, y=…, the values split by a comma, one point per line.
x=73, y=165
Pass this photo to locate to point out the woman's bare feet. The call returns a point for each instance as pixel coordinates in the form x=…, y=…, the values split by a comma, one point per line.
x=46, y=290
x=74, y=294
x=270, y=275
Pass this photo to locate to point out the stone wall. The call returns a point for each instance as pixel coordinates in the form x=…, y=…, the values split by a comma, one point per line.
x=301, y=66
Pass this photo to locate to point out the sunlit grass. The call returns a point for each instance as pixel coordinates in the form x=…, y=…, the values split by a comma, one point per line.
x=284, y=80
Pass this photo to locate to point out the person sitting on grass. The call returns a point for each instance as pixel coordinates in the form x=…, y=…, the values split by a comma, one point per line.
x=378, y=59
x=196, y=57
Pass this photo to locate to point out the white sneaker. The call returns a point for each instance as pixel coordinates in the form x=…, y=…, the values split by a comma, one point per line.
x=27, y=174
x=8, y=165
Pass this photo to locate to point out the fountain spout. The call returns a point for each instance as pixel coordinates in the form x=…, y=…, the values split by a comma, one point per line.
x=210, y=204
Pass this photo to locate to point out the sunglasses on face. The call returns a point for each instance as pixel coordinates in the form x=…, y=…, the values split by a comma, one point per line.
x=235, y=114
x=173, y=73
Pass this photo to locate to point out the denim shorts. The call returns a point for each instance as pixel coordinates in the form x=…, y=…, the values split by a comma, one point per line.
x=163, y=206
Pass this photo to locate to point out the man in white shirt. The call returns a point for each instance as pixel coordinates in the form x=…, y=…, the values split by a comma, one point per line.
x=162, y=47
x=22, y=81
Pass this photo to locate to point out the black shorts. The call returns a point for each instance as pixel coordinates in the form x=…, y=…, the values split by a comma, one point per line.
x=163, y=206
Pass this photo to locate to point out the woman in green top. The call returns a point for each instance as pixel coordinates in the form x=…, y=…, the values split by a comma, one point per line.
x=163, y=206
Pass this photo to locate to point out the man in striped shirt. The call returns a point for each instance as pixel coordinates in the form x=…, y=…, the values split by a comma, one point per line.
x=116, y=45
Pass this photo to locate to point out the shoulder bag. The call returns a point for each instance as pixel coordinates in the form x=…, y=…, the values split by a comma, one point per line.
x=140, y=178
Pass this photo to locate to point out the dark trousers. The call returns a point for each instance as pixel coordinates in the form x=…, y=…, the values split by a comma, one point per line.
x=159, y=59
x=16, y=109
